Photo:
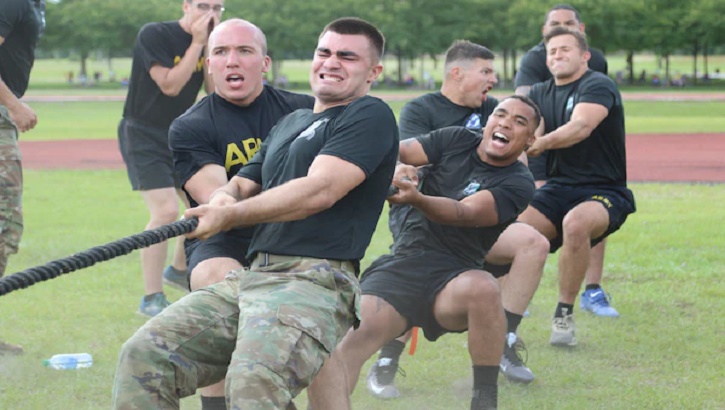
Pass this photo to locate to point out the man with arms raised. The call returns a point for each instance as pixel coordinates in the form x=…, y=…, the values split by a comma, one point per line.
x=167, y=72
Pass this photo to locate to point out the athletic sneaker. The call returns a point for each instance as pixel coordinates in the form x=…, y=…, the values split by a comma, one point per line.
x=10, y=349
x=562, y=331
x=512, y=365
x=597, y=301
x=381, y=379
x=154, y=305
x=176, y=278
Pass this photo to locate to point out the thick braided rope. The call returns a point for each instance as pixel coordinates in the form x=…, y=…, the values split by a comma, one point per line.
x=53, y=269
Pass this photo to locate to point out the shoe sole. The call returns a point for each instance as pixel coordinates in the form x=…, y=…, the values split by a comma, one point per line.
x=563, y=343
x=176, y=285
x=599, y=314
x=517, y=380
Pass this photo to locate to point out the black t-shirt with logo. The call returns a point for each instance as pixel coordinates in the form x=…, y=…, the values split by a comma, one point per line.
x=363, y=133
x=431, y=112
x=215, y=131
x=457, y=171
x=599, y=158
x=21, y=24
x=161, y=44
x=434, y=111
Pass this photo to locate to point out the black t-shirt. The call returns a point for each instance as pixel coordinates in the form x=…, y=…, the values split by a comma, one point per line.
x=215, y=131
x=431, y=112
x=601, y=157
x=533, y=69
x=434, y=111
x=363, y=133
x=456, y=172
x=164, y=44
x=21, y=22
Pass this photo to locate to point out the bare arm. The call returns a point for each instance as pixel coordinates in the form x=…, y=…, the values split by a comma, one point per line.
x=411, y=152
x=235, y=190
x=584, y=119
x=22, y=115
x=522, y=90
x=172, y=80
x=328, y=180
x=476, y=210
x=205, y=181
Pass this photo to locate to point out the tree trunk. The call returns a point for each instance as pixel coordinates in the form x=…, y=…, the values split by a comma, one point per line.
x=630, y=66
x=694, y=59
x=704, y=60
x=513, y=64
x=667, y=70
x=502, y=83
x=83, y=76
x=400, y=67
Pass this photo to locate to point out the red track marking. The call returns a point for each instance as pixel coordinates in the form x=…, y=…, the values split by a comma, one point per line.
x=650, y=157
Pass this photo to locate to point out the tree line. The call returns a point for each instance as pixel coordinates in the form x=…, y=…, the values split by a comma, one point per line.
x=413, y=28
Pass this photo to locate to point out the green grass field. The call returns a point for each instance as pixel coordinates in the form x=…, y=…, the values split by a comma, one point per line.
x=663, y=269
x=98, y=120
x=53, y=72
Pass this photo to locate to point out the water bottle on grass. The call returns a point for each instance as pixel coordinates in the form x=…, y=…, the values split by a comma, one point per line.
x=69, y=361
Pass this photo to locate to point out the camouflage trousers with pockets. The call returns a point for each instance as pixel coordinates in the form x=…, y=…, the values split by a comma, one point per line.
x=267, y=331
x=11, y=189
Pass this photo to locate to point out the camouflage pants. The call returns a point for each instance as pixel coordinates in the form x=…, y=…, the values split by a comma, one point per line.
x=266, y=330
x=11, y=189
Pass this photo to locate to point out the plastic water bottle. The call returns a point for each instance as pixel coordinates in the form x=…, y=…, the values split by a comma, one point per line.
x=69, y=361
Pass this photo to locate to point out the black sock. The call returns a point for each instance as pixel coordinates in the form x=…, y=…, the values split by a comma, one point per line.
x=392, y=350
x=146, y=298
x=593, y=286
x=512, y=321
x=213, y=403
x=485, y=388
x=563, y=309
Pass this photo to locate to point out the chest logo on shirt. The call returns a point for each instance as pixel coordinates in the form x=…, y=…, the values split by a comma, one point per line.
x=472, y=188
x=473, y=122
x=309, y=133
x=570, y=104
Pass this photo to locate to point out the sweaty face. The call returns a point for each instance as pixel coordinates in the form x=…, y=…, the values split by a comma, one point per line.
x=561, y=18
x=564, y=57
x=237, y=63
x=477, y=79
x=509, y=130
x=343, y=68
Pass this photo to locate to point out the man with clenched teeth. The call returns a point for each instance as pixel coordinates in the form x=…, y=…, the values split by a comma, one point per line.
x=314, y=190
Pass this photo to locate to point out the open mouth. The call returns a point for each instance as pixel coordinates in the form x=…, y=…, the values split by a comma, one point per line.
x=234, y=79
x=500, y=138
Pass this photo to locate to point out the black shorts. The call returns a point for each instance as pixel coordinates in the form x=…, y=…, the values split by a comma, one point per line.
x=556, y=200
x=537, y=166
x=145, y=150
x=231, y=244
x=410, y=283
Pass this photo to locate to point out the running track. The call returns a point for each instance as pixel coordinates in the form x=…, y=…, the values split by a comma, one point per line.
x=650, y=157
